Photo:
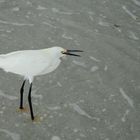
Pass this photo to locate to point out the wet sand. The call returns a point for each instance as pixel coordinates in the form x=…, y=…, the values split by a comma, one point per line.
x=94, y=97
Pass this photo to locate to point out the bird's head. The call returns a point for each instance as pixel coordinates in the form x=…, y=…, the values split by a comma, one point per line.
x=60, y=52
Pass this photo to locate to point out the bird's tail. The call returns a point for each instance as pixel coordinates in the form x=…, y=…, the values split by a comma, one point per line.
x=1, y=60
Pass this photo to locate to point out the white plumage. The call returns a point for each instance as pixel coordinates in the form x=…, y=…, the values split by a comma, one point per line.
x=30, y=63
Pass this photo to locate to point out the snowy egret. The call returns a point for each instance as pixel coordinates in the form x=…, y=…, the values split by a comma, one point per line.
x=31, y=63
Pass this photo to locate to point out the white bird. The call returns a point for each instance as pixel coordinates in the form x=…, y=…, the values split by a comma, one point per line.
x=31, y=63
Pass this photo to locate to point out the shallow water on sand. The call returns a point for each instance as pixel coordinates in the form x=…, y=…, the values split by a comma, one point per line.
x=96, y=96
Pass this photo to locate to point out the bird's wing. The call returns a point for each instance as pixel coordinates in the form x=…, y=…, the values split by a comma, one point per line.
x=29, y=62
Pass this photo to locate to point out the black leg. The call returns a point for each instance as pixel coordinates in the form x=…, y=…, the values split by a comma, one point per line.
x=30, y=102
x=21, y=95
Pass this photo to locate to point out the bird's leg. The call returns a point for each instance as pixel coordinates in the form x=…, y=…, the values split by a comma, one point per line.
x=30, y=102
x=21, y=95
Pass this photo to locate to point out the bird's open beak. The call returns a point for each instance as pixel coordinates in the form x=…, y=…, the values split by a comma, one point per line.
x=70, y=52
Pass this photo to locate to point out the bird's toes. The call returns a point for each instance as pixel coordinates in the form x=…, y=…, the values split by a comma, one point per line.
x=24, y=109
x=37, y=119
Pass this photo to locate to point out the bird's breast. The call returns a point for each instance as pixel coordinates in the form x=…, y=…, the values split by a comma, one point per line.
x=53, y=65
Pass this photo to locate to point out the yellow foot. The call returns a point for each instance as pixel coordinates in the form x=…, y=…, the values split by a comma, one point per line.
x=25, y=109
x=37, y=119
